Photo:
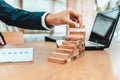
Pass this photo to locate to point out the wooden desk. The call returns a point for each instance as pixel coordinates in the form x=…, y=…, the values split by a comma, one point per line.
x=94, y=65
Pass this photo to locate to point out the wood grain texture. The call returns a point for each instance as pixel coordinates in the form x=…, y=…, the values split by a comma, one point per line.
x=94, y=65
x=13, y=37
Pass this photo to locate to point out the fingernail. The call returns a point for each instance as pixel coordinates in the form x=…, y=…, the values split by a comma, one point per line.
x=77, y=25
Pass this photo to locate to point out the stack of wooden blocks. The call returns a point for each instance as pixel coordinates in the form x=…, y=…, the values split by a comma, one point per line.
x=73, y=47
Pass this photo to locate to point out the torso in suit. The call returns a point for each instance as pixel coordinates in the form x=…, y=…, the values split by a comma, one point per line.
x=19, y=17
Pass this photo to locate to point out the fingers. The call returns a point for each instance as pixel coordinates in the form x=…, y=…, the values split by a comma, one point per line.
x=71, y=22
x=68, y=16
x=73, y=12
x=77, y=25
x=80, y=21
x=77, y=17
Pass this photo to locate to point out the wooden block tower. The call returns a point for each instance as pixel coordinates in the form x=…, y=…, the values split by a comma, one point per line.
x=72, y=47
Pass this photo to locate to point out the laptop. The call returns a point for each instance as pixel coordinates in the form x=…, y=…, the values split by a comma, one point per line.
x=103, y=30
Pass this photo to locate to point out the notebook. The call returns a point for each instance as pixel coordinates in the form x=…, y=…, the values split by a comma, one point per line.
x=103, y=30
x=16, y=55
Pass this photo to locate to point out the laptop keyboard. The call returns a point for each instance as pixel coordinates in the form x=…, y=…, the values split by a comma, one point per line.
x=89, y=43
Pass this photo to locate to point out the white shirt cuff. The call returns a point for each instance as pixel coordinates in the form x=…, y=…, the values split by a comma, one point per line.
x=43, y=22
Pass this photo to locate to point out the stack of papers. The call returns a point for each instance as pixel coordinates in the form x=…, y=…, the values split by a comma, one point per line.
x=16, y=54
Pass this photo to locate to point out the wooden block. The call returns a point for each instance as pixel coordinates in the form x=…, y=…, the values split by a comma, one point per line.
x=62, y=50
x=70, y=43
x=76, y=36
x=57, y=60
x=69, y=38
x=77, y=33
x=80, y=35
x=74, y=47
x=68, y=46
x=82, y=47
x=60, y=55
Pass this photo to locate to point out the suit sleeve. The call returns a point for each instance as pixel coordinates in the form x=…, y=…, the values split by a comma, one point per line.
x=20, y=18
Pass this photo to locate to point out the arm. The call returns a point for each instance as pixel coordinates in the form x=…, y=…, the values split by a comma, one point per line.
x=35, y=20
x=20, y=18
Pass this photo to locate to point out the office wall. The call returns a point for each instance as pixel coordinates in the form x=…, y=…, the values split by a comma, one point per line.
x=3, y=26
x=52, y=6
x=44, y=5
x=14, y=3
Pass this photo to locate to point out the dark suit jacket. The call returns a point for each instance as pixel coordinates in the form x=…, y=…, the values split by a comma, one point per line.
x=19, y=17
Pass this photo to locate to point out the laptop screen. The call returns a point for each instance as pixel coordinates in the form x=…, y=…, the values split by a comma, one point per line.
x=104, y=27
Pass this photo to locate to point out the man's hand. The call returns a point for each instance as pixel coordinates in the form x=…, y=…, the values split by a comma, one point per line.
x=68, y=16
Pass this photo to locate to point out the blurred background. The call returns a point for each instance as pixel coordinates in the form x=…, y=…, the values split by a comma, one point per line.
x=87, y=8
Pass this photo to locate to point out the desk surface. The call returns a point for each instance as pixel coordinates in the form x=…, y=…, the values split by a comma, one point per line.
x=94, y=65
